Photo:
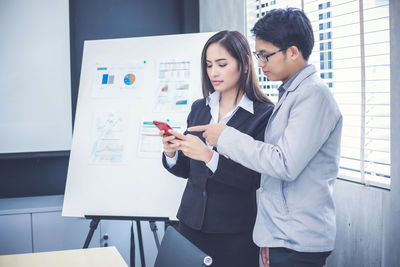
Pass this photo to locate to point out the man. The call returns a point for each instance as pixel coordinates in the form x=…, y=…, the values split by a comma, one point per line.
x=299, y=158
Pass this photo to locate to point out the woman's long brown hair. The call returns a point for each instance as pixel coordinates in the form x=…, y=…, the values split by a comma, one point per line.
x=238, y=47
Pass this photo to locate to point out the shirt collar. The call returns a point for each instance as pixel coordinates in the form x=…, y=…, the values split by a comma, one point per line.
x=287, y=84
x=245, y=103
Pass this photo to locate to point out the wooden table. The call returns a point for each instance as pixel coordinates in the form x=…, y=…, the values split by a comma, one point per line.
x=99, y=257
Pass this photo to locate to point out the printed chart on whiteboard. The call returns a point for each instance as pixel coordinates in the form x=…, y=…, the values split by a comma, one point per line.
x=150, y=143
x=172, y=93
x=109, y=137
x=114, y=80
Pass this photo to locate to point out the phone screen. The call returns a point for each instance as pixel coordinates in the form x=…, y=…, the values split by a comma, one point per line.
x=164, y=126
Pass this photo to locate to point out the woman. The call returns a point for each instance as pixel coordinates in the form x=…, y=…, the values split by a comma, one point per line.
x=218, y=207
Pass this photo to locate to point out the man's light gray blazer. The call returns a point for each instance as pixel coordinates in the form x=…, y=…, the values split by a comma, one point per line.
x=299, y=161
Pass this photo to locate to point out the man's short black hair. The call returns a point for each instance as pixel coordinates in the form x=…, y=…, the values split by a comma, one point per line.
x=286, y=27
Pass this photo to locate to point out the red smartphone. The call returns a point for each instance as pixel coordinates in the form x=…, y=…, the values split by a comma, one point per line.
x=164, y=126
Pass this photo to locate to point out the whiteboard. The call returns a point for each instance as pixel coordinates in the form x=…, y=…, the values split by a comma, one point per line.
x=115, y=166
x=35, y=83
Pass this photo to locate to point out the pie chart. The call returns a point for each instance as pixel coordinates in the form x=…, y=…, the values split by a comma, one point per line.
x=129, y=79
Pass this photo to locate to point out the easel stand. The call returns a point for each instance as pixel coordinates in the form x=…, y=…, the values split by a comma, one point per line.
x=95, y=222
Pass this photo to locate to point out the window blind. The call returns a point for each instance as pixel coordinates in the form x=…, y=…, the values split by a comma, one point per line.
x=352, y=52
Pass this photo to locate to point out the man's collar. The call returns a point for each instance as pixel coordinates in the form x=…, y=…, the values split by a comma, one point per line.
x=287, y=84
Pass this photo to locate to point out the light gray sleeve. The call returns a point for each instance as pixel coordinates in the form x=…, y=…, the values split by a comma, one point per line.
x=311, y=120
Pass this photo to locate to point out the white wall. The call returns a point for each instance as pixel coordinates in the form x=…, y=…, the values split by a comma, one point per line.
x=391, y=242
x=35, y=83
x=218, y=15
x=360, y=224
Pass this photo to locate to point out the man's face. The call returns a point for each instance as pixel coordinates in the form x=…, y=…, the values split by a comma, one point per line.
x=278, y=67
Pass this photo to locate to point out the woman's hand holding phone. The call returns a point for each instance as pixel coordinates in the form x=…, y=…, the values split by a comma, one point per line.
x=170, y=144
x=190, y=145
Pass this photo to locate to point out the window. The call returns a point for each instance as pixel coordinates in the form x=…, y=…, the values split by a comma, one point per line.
x=324, y=65
x=325, y=36
x=324, y=5
x=326, y=15
x=324, y=26
x=326, y=75
x=352, y=50
x=325, y=56
x=325, y=46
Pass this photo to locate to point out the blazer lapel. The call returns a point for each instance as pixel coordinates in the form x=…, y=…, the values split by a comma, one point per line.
x=301, y=77
x=203, y=118
x=240, y=116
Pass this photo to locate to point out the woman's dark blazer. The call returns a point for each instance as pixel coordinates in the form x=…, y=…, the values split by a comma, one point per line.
x=224, y=201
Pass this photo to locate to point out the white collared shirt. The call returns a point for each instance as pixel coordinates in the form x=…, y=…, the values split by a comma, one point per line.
x=213, y=101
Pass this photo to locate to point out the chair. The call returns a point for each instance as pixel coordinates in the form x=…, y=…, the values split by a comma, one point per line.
x=177, y=251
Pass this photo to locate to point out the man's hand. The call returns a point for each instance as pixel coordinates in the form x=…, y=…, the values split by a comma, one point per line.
x=265, y=256
x=211, y=132
x=193, y=147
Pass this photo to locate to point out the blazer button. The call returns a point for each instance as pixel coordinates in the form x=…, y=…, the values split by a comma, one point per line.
x=204, y=193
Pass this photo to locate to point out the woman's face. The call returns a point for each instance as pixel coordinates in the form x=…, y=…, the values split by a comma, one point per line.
x=222, y=69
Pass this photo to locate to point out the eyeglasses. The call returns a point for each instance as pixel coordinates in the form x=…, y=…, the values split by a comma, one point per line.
x=264, y=58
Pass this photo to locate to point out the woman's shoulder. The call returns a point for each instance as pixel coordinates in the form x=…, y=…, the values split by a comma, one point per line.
x=199, y=103
x=261, y=107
